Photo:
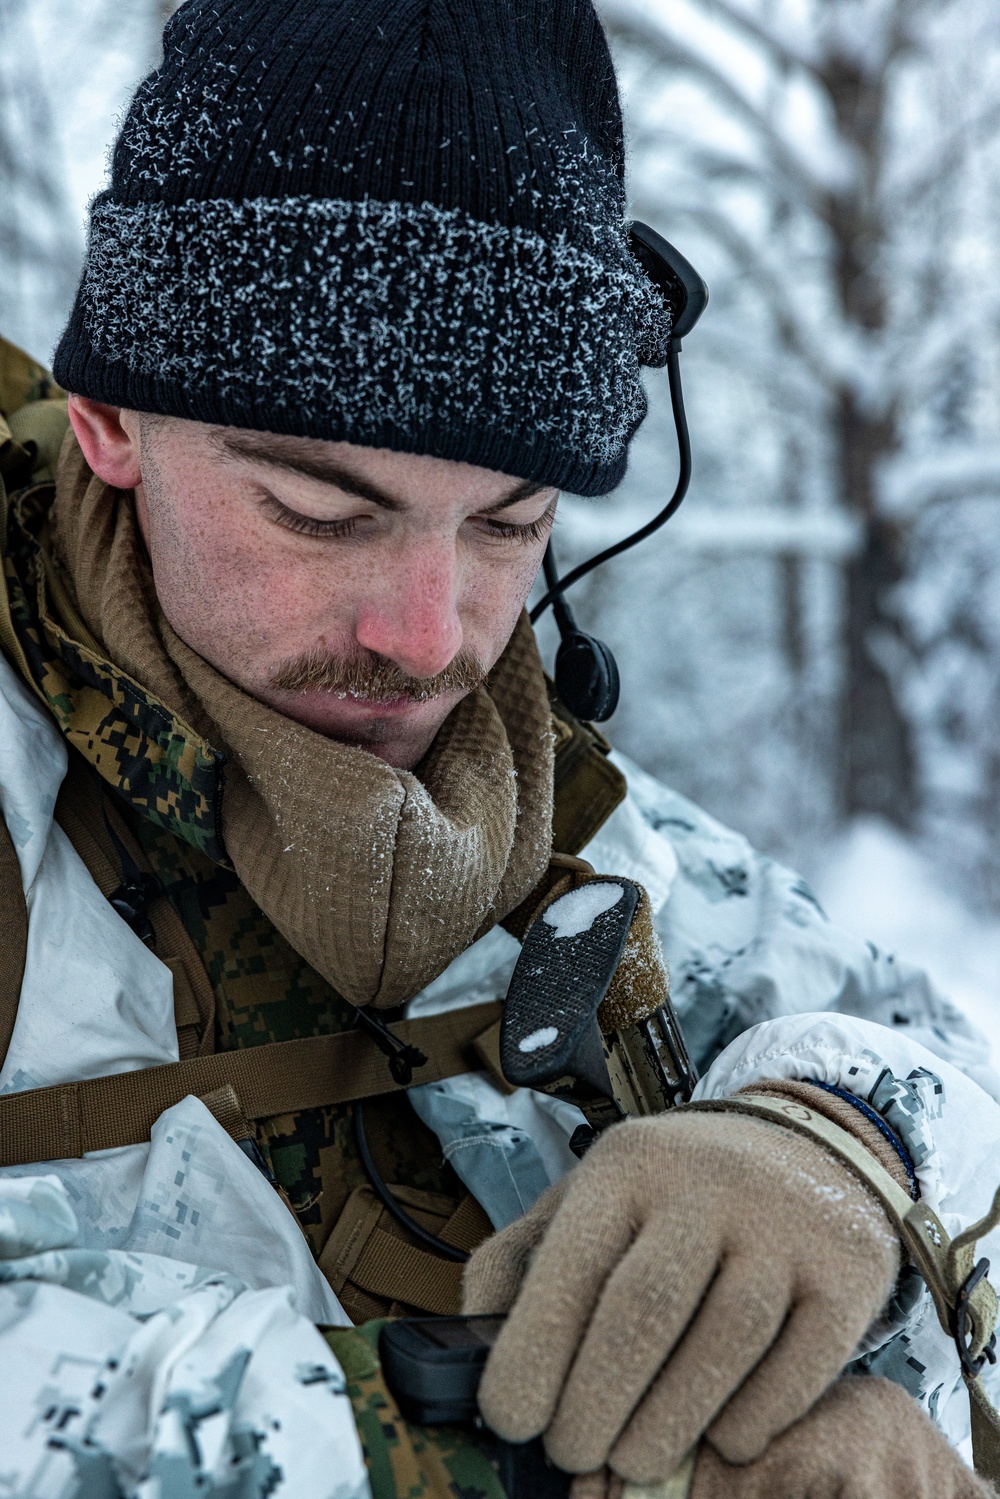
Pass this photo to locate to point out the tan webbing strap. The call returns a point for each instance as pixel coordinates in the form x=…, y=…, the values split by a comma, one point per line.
x=468, y=1225
x=13, y=936
x=588, y=787
x=368, y=1253
x=226, y=1109
x=282, y=1077
x=81, y=807
x=400, y=1271
x=966, y=1307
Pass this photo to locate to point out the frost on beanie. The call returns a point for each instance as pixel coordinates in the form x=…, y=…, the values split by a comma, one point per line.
x=398, y=223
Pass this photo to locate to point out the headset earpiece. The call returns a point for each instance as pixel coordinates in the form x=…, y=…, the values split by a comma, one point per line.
x=586, y=671
x=587, y=678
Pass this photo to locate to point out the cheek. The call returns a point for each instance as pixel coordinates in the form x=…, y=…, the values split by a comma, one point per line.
x=231, y=590
x=494, y=591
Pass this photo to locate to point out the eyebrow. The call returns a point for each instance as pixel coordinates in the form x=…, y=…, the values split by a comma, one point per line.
x=315, y=465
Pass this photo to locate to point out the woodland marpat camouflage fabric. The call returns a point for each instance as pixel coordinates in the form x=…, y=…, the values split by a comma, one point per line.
x=406, y=1461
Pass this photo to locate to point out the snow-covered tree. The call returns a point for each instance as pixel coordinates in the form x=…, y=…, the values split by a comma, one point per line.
x=67, y=68
x=834, y=165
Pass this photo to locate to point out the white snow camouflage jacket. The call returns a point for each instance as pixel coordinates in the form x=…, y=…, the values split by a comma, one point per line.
x=159, y=1302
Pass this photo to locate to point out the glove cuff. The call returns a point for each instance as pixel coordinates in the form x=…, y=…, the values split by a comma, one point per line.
x=885, y=1146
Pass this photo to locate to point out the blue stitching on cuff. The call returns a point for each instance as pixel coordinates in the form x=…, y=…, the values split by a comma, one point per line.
x=880, y=1124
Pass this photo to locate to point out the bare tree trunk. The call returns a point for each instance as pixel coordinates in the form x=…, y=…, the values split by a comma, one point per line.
x=877, y=769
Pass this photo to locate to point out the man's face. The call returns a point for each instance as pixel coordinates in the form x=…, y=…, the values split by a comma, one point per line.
x=360, y=591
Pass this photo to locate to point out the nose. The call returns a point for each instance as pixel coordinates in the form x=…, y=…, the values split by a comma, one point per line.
x=411, y=616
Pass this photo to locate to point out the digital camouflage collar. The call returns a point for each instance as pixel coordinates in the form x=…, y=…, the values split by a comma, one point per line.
x=153, y=759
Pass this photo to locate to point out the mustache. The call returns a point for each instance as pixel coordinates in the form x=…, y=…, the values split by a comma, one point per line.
x=372, y=677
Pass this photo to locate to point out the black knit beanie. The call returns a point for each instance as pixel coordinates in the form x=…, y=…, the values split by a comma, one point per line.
x=398, y=223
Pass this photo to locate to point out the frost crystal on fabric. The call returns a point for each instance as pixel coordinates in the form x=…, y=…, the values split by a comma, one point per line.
x=373, y=224
x=358, y=318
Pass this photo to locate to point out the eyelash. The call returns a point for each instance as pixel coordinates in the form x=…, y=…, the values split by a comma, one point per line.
x=306, y=525
x=536, y=530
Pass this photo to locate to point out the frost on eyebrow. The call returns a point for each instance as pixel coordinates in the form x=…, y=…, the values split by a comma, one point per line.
x=576, y=912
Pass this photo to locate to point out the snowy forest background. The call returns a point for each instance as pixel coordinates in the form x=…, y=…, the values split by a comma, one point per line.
x=811, y=649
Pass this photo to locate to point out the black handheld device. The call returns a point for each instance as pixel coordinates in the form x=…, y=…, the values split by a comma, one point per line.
x=433, y=1366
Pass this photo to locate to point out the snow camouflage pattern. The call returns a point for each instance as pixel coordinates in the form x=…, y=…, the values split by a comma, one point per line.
x=144, y=1376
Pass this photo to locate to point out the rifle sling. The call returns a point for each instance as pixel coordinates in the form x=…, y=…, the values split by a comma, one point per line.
x=282, y=1077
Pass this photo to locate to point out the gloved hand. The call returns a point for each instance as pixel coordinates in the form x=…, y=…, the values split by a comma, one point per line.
x=864, y=1439
x=696, y=1272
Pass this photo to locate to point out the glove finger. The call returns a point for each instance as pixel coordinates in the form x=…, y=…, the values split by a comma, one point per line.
x=864, y=1439
x=738, y=1321
x=805, y=1360
x=600, y=1485
x=526, y=1370
x=495, y=1271
x=642, y=1312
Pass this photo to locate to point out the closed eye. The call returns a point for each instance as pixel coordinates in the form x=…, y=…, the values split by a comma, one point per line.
x=535, y=530
x=307, y=525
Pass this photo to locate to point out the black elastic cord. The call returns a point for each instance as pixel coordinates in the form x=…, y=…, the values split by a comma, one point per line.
x=559, y=586
x=563, y=614
x=449, y=1251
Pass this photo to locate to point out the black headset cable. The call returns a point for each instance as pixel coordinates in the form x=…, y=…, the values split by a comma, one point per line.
x=429, y=1240
x=557, y=587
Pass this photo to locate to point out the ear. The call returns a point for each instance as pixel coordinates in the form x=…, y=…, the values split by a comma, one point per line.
x=109, y=438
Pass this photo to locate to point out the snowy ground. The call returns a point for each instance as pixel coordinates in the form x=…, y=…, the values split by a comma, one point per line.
x=877, y=884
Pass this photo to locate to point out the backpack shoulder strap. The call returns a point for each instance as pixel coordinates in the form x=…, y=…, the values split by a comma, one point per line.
x=13, y=936
x=280, y=1077
x=588, y=787
x=72, y=1119
x=86, y=814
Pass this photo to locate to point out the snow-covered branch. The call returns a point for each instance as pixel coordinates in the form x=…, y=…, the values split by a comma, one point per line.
x=910, y=484
x=781, y=48
x=628, y=23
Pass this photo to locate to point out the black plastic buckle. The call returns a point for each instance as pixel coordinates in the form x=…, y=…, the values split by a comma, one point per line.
x=402, y=1056
x=972, y=1366
x=131, y=900
x=252, y=1151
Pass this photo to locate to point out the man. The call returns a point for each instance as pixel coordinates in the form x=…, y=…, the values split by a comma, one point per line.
x=278, y=753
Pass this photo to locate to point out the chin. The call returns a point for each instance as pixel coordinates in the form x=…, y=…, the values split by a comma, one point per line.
x=401, y=739
x=384, y=741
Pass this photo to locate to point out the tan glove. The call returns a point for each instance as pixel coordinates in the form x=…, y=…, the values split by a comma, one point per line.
x=864, y=1439
x=695, y=1272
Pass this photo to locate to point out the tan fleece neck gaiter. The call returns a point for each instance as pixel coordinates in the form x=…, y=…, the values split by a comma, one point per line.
x=377, y=877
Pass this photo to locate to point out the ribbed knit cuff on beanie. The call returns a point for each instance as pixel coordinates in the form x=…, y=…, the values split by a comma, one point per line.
x=398, y=223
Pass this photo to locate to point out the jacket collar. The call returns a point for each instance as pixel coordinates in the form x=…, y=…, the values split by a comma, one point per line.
x=145, y=752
